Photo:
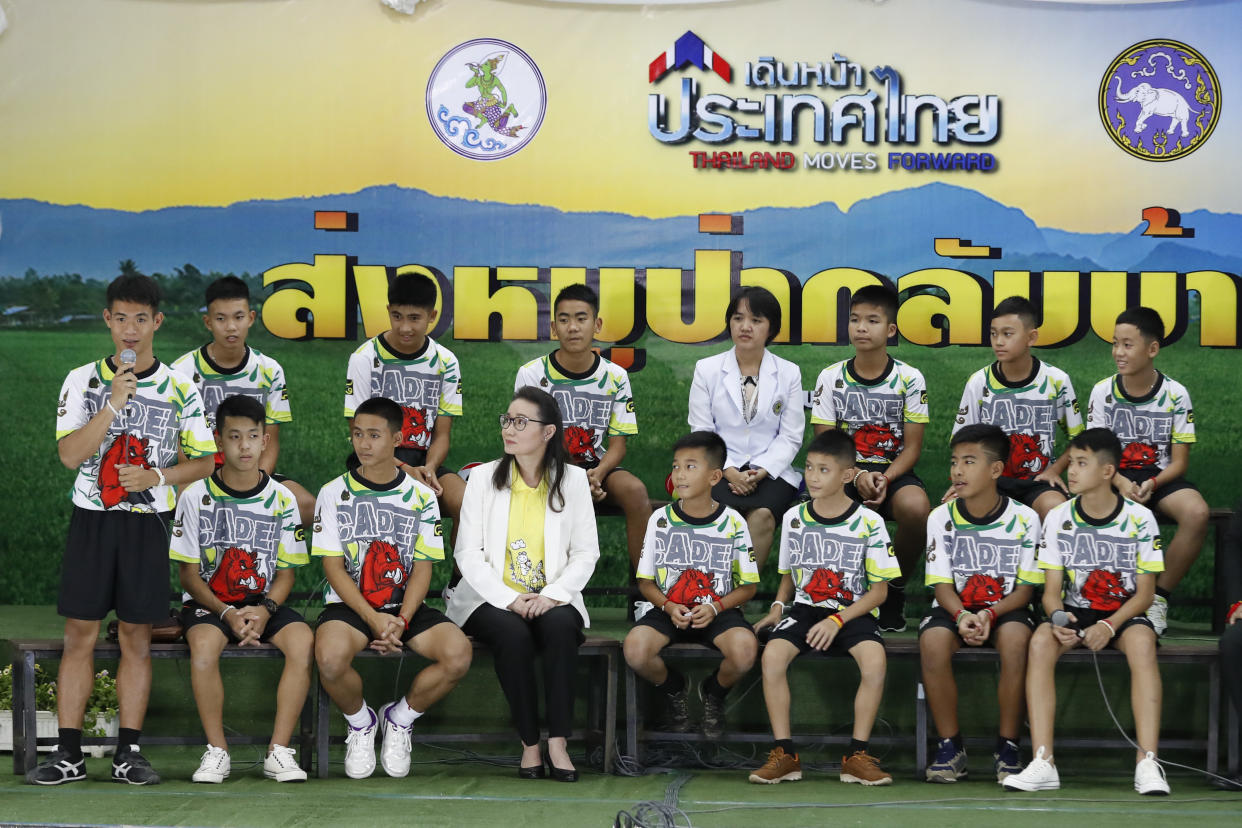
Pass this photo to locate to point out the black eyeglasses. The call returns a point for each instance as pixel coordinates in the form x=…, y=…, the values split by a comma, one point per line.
x=519, y=422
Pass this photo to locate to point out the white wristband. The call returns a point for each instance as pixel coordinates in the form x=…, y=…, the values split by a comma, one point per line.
x=774, y=603
x=160, y=472
x=715, y=611
x=225, y=611
x=114, y=411
x=860, y=474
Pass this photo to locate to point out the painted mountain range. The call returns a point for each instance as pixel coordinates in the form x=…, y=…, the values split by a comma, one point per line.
x=891, y=234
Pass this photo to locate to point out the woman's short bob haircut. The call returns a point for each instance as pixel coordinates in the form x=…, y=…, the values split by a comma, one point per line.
x=761, y=303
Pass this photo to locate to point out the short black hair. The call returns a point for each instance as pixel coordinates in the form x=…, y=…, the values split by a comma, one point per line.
x=379, y=407
x=993, y=439
x=414, y=289
x=136, y=288
x=881, y=296
x=239, y=405
x=761, y=303
x=1147, y=320
x=1100, y=441
x=1020, y=307
x=577, y=292
x=711, y=443
x=834, y=443
x=227, y=287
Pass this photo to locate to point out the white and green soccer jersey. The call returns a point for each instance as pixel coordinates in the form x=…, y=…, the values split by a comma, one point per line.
x=983, y=558
x=1028, y=410
x=873, y=412
x=595, y=404
x=165, y=415
x=1147, y=426
x=833, y=561
x=380, y=531
x=258, y=376
x=697, y=560
x=426, y=385
x=238, y=539
x=1101, y=559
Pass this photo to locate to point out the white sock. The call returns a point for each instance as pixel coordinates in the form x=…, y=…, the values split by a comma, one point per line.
x=364, y=718
x=402, y=714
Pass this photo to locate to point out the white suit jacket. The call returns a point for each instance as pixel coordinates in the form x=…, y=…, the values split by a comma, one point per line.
x=769, y=441
x=570, y=545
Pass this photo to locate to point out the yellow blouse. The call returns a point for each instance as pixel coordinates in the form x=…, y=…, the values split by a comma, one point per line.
x=524, y=569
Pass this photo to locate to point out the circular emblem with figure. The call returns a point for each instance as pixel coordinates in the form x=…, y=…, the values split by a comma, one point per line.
x=486, y=99
x=1159, y=100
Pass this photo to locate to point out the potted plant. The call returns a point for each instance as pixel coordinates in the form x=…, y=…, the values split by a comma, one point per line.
x=101, y=710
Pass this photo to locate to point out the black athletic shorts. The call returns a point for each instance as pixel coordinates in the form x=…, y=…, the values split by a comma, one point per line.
x=940, y=617
x=425, y=618
x=194, y=613
x=1087, y=617
x=795, y=627
x=772, y=494
x=660, y=621
x=1145, y=473
x=1025, y=491
x=408, y=456
x=115, y=560
x=885, y=509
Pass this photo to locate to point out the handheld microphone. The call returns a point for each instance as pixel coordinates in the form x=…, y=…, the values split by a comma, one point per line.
x=128, y=360
x=1061, y=618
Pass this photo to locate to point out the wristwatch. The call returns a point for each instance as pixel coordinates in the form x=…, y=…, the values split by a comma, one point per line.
x=271, y=606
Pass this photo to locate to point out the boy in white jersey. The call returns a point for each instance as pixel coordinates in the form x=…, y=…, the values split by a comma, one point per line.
x=410, y=368
x=835, y=563
x=595, y=399
x=1152, y=416
x=121, y=422
x=238, y=540
x=378, y=532
x=227, y=366
x=981, y=549
x=1100, y=554
x=1028, y=399
x=697, y=569
x=882, y=403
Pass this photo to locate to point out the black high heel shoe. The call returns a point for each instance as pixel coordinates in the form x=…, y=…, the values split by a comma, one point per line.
x=535, y=772
x=559, y=774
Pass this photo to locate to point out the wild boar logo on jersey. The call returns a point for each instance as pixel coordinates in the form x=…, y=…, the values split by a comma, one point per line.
x=693, y=587
x=1025, y=458
x=383, y=575
x=826, y=584
x=237, y=577
x=1139, y=455
x=1103, y=590
x=875, y=441
x=126, y=449
x=580, y=443
x=413, y=426
x=981, y=591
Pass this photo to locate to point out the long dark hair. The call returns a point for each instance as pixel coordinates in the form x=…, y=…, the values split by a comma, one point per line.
x=555, y=455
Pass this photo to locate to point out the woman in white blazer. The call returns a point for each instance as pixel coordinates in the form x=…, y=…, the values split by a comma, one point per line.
x=526, y=548
x=753, y=399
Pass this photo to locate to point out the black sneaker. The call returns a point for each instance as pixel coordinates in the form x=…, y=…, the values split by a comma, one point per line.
x=893, y=612
x=128, y=765
x=677, y=715
x=713, y=714
x=57, y=769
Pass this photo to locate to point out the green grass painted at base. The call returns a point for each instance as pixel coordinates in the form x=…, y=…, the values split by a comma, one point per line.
x=314, y=446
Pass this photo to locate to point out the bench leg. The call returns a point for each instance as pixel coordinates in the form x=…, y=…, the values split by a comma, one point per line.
x=920, y=730
x=610, y=715
x=24, y=700
x=323, y=709
x=306, y=732
x=1213, y=736
x=631, y=715
x=1232, y=738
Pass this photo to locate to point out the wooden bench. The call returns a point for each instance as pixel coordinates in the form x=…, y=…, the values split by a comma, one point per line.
x=601, y=706
x=907, y=649
x=28, y=651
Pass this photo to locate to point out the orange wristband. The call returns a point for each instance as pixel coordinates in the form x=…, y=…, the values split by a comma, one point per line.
x=836, y=616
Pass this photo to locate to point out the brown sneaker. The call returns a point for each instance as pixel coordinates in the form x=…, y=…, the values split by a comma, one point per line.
x=863, y=768
x=780, y=767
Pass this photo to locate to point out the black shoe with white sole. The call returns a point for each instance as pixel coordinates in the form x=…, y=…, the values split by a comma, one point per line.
x=130, y=766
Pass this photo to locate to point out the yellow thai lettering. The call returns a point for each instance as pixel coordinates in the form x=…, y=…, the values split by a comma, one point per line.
x=708, y=286
x=1056, y=291
x=1218, y=307
x=824, y=296
x=927, y=318
x=308, y=301
x=784, y=286
x=484, y=308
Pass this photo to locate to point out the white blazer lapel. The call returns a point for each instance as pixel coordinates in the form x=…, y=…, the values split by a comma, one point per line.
x=498, y=526
x=731, y=382
x=553, y=548
x=769, y=382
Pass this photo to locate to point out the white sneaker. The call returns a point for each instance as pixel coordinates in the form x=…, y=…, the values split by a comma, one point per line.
x=1158, y=614
x=395, y=751
x=215, y=766
x=1149, y=776
x=360, y=749
x=281, y=764
x=1039, y=775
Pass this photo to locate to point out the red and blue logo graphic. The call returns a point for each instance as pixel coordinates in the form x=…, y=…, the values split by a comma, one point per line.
x=689, y=49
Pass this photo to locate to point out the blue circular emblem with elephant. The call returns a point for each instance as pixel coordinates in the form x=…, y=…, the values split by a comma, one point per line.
x=1160, y=100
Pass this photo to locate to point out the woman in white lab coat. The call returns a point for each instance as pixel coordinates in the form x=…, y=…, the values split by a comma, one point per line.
x=526, y=548
x=753, y=400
